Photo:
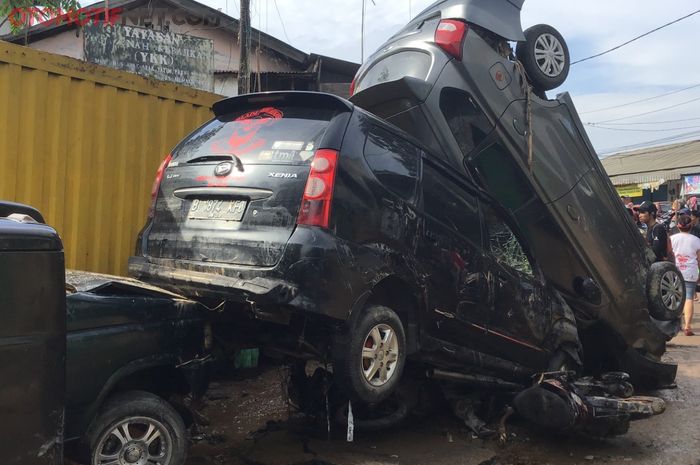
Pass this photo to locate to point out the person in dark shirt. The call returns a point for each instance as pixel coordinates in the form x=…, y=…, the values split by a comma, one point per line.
x=695, y=231
x=695, y=217
x=656, y=234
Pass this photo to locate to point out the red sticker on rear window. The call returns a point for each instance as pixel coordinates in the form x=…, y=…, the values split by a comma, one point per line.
x=243, y=141
x=263, y=113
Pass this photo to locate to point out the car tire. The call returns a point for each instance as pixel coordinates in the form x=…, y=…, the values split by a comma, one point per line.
x=139, y=427
x=377, y=417
x=370, y=362
x=545, y=56
x=665, y=291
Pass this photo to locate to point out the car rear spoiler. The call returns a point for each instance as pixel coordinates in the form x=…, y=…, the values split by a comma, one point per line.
x=283, y=98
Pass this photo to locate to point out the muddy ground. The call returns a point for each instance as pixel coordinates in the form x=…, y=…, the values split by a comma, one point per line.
x=251, y=424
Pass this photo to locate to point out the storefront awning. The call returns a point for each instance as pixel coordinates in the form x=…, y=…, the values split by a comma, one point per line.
x=653, y=176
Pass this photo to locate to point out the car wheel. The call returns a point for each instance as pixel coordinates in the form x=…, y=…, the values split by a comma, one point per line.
x=137, y=428
x=370, y=365
x=545, y=56
x=665, y=291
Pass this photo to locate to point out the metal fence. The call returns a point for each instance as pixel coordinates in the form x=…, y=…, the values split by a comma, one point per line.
x=82, y=143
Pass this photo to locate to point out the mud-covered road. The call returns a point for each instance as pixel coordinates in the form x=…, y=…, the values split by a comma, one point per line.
x=251, y=425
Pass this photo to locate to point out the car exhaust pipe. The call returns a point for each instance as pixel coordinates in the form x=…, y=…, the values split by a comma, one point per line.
x=472, y=379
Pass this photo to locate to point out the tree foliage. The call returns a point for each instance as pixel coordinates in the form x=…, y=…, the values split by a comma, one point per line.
x=20, y=14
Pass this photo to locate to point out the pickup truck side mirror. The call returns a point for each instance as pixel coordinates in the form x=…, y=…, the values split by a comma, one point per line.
x=8, y=208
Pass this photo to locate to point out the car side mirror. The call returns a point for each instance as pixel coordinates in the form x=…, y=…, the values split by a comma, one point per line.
x=588, y=289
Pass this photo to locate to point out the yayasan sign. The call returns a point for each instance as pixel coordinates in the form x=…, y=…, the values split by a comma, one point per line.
x=161, y=55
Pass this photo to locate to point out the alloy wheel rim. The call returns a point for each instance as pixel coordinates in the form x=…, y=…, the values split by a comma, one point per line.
x=549, y=55
x=672, y=289
x=380, y=355
x=134, y=441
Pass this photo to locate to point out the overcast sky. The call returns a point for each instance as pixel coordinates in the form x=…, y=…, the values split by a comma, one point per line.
x=659, y=63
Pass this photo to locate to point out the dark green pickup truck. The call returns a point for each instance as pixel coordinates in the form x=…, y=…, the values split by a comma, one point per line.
x=136, y=358
x=110, y=366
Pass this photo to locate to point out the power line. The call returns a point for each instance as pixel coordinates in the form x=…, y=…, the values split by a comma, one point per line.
x=282, y=21
x=636, y=38
x=641, y=100
x=650, y=142
x=641, y=130
x=650, y=122
x=648, y=112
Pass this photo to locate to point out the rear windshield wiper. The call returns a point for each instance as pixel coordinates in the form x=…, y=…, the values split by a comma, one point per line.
x=206, y=158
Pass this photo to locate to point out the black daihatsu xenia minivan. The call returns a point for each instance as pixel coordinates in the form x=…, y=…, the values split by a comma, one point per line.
x=314, y=214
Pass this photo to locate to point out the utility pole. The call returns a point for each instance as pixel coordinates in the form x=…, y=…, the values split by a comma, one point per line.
x=362, y=35
x=244, y=38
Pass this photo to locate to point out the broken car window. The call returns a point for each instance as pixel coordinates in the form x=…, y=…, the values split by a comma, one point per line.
x=503, y=243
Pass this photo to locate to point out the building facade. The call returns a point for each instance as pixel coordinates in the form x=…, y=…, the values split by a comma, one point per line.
x=146, y=37
x=658, y=174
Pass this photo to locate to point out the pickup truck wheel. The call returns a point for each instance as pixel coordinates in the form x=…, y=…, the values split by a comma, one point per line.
x=137, y=428
x=665, y=291
x=545, y=56
x=370, y=366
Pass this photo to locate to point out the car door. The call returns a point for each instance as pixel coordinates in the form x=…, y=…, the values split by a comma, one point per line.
x=520, y=313
x=449, y=251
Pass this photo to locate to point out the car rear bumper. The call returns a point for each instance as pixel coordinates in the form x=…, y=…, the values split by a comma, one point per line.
x=191, y=279
x=310, y=277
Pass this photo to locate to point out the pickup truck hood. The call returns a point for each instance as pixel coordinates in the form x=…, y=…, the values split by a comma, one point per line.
x=96, y=301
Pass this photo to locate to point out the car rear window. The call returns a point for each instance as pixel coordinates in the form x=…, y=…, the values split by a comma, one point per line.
x=402, y=64
x=468, y=124
x=268, y=135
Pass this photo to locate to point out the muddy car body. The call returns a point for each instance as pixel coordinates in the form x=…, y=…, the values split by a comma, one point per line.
x=470, y=100
x=32, y=339
x=402, y=250
x=134, y=353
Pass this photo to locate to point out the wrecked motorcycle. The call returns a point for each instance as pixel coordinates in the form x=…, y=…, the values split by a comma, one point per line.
x=559, y=401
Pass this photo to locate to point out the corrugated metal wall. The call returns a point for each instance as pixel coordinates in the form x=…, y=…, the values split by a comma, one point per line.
x=82, y=144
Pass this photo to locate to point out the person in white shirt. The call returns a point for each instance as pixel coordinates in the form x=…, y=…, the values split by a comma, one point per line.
x=686, y=249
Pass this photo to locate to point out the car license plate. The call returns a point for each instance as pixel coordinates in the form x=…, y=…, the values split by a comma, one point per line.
x=212, y=209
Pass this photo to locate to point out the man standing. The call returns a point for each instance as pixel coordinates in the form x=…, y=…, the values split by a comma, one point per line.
x=695, y=221
x=657, y=236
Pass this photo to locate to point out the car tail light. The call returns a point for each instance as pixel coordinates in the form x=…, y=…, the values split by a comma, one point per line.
x=450, y=35
x=318, y=194
x=156, y=184
x=352, y=87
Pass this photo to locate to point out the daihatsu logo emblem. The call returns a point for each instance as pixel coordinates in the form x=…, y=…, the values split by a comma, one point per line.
x=222, y=169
